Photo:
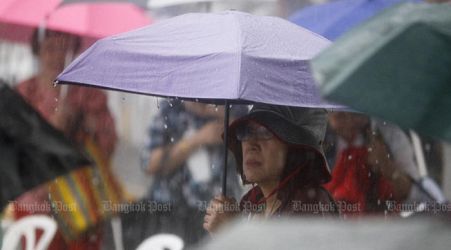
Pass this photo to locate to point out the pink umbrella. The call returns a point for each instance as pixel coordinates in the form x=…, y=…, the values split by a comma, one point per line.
x=18, y=18
x=90, y=20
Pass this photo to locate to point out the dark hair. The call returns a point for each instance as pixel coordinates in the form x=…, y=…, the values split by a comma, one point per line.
x=306, y=159
x=36, y=43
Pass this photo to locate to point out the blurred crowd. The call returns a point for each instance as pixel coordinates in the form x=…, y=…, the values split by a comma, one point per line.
x=165, y=156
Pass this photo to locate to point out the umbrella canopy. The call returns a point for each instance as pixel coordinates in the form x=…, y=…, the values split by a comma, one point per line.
x=87, y=19
x=140, y=3
x=19, y=18
x=335, y=18
x=31, y=151
x=396, y=66
x=226, y=56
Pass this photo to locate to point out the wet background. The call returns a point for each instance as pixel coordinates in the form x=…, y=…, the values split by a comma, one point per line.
x=133, y=114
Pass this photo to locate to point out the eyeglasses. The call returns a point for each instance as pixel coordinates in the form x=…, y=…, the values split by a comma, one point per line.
x=247, y=132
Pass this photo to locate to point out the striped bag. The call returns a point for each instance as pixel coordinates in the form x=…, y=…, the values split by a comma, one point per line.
x=83, y=198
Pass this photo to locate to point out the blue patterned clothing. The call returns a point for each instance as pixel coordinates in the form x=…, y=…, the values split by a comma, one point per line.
x=180, y=188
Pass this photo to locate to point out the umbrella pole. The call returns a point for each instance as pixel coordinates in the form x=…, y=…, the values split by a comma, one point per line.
x=226, y=146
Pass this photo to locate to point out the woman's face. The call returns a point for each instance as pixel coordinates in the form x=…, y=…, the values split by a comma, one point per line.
x=264, y=155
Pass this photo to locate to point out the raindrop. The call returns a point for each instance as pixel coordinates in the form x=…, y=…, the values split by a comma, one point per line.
x=350, y=157
x=427, y=147
x=212, y=166
x=93, y=238
x=56, y=99
x=388, y=156
x=395, y=176
x=170, y=104
x=384, y=123
x=370, y=149
x=182, y=101
x=165, y=117
x=172, y=139
x=374, y=132
x=165, y=126
x=95, y=180
x=369, y=174
x=54, y=84
x=216, y=108
x=377, y=161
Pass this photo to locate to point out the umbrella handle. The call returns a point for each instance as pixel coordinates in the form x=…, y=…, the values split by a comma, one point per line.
x=226, y=145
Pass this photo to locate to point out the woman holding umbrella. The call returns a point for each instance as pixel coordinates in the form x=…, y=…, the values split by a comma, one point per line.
x=278, y=150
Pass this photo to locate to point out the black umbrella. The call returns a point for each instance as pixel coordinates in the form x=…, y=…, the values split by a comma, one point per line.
x=32, y=152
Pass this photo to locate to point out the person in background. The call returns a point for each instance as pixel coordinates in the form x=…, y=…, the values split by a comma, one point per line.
x=278, y=150
x=185, y=157
x=79, y=112
x=374, y=165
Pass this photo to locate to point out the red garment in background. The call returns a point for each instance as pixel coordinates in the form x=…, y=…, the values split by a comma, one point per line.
x=352, y=182
x=88, y=104
x=89, y=115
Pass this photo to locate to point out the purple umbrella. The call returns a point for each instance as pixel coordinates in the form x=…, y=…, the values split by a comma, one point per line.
x=222, y=58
